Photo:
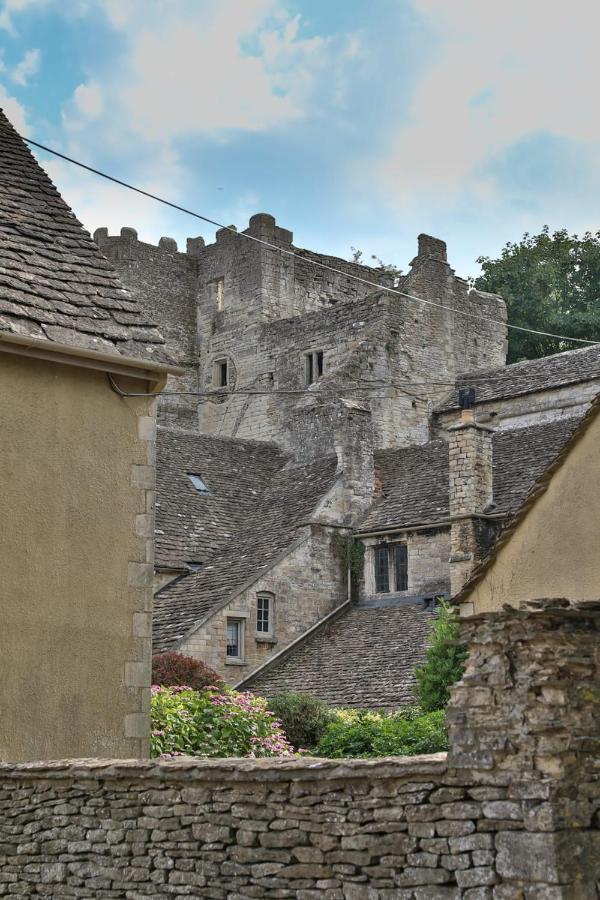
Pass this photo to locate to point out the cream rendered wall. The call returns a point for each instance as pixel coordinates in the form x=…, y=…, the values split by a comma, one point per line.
x=555, y=549
x=307, y=584
x=76, y=547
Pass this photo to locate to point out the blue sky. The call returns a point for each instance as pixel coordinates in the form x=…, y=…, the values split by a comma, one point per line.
x=355, y=122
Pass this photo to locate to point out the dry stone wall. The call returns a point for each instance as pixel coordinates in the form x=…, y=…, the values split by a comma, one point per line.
x=512, y=813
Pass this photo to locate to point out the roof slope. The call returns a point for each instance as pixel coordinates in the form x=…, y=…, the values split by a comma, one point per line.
x=364, y=657
x=415, y=479
x=528, y=376
x=54, y=282
x=529, y=496
x=259, y=496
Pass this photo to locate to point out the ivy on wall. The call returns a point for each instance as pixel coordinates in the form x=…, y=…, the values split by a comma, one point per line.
x=350, y=552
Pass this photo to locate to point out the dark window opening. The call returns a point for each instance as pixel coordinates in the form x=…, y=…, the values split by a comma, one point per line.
x=401, y=566
x=313, y=366
x=234, y=638
x=382, y=572
x=221, y=372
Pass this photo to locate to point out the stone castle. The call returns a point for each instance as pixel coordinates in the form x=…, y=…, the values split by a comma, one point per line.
x=319, y=401
x=264, y=335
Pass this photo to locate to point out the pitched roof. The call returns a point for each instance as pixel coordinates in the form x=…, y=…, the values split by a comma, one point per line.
x=415, y=479
x=530, y=496
x=258, y=498
x=528, y=376
x=55, y=285
x=363, y=657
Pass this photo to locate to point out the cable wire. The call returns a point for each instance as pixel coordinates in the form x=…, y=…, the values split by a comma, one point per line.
x=314, y=262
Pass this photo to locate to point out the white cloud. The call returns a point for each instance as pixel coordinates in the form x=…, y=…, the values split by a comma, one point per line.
x=14, y=111
x=503, y=72
x=9, y=7
x=88, y=100
x=27, y=67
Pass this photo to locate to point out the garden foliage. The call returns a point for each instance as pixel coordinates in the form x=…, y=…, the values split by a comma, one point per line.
x=214, y=723
x=366, y=733
x=445, y=661
x=175, y=669
x=304, y=717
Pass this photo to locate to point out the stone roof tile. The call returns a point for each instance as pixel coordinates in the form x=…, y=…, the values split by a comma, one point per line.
x=258, y=498
x=528, y=376
x=363, y=657
x=55, y=284
x=415, y=479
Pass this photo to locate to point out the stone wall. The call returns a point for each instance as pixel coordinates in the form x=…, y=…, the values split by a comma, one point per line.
x=512, y=812
x=305, y=586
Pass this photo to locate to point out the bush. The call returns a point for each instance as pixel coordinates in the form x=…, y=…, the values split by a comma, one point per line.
x=174, y=670
x=445, y=661
x=304, y=718
x=365, y=733
x=214, y=723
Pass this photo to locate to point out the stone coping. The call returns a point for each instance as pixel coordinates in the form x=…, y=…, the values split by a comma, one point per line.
x=231, y=769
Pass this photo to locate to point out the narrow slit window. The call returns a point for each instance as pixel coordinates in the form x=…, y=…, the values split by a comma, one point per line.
x=198, y=483
x=313, y=366
x=220, y=292
x=234, y=639
x=382, y=572
x=401, y=566
x=263, y=614
x=221, y=373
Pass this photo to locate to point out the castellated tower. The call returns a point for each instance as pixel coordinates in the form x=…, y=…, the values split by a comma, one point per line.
x=259, y=331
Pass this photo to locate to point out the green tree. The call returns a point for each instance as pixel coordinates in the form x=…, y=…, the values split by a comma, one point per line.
x=445, y=661
x=551, y=282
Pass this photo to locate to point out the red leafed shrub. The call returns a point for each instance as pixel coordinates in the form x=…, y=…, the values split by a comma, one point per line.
x=174, y=669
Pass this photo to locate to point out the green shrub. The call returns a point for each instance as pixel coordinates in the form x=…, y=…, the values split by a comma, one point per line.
x=304, y=718
x=365, y=733
x=175, y=670
x=214, y=723
x=445, y=661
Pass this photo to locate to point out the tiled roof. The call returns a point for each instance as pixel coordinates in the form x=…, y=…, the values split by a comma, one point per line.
x=528, y=497
x=415, y=479
x=55, y=285
x=364, y=657
x=258, y=498
x=528, y=376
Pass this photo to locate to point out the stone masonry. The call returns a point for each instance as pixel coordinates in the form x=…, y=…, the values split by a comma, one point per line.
x=470, y=496
x=512, y=812
x=258, y=313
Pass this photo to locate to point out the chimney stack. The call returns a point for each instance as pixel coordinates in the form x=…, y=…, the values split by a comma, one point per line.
x=470, y=495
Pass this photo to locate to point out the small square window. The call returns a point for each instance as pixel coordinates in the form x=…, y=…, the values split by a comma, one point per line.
x=234, y=639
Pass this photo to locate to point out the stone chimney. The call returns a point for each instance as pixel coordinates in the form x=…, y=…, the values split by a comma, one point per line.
x=470, y=495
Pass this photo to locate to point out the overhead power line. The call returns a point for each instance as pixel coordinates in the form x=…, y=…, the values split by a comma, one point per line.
x=314, y=262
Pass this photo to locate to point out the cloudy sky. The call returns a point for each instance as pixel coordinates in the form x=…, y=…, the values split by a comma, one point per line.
x=354, y=122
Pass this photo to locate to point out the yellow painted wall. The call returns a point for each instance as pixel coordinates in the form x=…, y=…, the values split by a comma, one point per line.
x=555, y=550
x=72, y=632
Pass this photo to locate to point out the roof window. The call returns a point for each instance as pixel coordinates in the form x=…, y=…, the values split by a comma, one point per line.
x=198, y=483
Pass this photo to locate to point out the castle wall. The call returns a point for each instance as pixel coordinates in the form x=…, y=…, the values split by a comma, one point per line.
x=259, y=311
x=164, y=283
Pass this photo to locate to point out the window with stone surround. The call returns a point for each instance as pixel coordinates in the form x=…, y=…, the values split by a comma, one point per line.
x=235, y=639
x=390, y=564
x=221, y=373
x=313, y=366
x=264, y=614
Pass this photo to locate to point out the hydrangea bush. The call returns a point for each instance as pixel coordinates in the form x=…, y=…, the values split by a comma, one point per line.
x=214, y=722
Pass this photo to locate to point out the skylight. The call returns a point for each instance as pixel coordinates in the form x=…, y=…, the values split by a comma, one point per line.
x=198, y=483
